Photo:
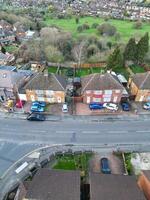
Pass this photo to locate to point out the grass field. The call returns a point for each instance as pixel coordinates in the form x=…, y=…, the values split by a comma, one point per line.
x=125, y=28
x=73, y=162
x=137, y=69
x=11, y=48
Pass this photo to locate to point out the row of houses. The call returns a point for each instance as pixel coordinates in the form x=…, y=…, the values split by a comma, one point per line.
x=65, y=185
x=52, y=88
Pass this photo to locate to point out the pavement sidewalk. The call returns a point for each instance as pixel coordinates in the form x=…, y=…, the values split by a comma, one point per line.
x=97, y=118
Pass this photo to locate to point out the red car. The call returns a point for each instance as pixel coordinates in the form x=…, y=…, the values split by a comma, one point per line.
x=19, y=103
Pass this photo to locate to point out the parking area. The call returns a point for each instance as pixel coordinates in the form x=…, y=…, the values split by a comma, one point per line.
x=115, y=163
x=138, y=107
x=83, y=109
x=52, y=109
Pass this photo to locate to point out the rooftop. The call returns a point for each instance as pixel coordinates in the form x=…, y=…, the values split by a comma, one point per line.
x=46, y=82
x=142, y=80
x=55, y=185
x=146, y=173
x=100, y=82
x=114, y=187
x=8, y=68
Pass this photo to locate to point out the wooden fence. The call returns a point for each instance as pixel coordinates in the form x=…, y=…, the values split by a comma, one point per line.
x=75, y=65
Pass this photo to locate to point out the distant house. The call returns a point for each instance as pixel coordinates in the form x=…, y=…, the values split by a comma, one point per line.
x=101, y=88
x=139, y=86
x=114, y=187
x=144, y=182
x=7, y=36
x=53, y=185
x=6, y=58
x=10, y=81
x=45, y=87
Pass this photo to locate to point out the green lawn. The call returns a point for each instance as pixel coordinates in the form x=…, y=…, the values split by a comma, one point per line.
x=125, y=28
x=11, y=48
x=137, y=69
x=73, y=162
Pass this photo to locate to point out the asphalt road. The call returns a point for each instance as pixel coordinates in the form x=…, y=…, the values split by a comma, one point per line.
x=18, y=137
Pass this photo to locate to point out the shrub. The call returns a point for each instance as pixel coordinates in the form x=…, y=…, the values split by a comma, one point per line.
x=79, y=29
x=91, y=50
x=85, y=26
x=106, y=29
x=137, y=25
x=94, y=25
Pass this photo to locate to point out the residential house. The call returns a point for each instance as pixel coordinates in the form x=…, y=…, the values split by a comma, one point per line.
x=7, y=35
x=139, y=86
x=45, y=87
x=6, y=58
x=114, y=187
x=101, y=88
x=10, y=81
x=53, y=184
x=144, y=182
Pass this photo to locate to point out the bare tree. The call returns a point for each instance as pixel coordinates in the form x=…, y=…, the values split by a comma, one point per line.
x=79, y=52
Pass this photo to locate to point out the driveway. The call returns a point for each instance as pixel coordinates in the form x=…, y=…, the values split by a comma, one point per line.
x=83, y=109
x=115, y=162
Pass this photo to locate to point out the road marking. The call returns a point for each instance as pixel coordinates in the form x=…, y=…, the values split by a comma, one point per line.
x=118, y=131
x=90, y=132
x=38, y=131
x=143, y=131
x=65, y=132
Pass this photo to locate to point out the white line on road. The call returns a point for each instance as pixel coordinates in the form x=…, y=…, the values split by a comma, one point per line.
x=118, y=131
x=143, y=131
x=90, y=132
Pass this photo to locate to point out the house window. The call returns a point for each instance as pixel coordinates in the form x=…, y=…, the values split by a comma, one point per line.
x=97, y=99
x=108, y=92
x=107, y=99
x=97, y=92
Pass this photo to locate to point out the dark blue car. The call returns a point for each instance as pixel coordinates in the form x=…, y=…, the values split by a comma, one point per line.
x=125, y=106
x=95, y=106
x=105, y=166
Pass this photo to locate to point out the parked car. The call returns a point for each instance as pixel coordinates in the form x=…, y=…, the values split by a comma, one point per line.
x=37, y=108
x=110, y=106
x=65, y=108
x=20, y=103
x=39, y=103
x=95, y=106
x=105, y=166
x=36, y=117
x=146, y=106
x=125, y=106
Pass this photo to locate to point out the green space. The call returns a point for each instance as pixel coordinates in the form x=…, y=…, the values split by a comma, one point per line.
x=11, y=48
x=79, y=72
x=128, y=162
x=73, y=162
x=137, y=69
x=125, y=28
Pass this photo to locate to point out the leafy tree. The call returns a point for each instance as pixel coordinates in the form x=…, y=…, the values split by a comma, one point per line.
x=52, y=54
x=137, y=25
x=130, y=50
x=3, y=50
x=115, y=60
x=92, y=49
x=106, y=29
x=142, y=48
